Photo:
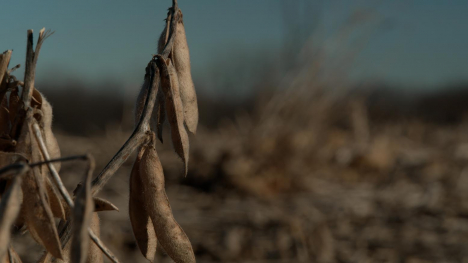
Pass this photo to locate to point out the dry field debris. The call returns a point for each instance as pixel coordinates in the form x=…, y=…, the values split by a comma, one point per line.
x=32, y=193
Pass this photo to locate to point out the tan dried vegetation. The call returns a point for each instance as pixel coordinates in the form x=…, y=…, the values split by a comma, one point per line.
x=34, y=195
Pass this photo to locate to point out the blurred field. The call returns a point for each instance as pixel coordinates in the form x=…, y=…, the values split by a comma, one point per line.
x=301, y=176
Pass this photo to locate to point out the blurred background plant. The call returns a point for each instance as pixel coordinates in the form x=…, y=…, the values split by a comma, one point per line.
x=336, y=137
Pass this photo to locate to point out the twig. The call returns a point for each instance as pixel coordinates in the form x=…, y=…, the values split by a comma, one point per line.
x=13, y=69
x=138, y=137
x=62, y=159
x=104, y=249
x=63, y=191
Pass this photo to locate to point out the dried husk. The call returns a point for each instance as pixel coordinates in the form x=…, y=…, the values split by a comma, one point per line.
x=141, y=222
x=37, y=213
x=46, y=128
x=181, y=59
x=103, y=205
x=170, y=235
x=82, y=216
x=9, y=209
x=174, y=109
x=55, y=200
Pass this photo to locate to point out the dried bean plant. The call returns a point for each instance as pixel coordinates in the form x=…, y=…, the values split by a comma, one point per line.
x=32, y=192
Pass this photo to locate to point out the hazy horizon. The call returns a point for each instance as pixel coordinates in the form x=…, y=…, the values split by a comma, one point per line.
x=422, y=43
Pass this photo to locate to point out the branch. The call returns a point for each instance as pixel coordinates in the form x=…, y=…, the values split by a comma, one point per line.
x=138, y=137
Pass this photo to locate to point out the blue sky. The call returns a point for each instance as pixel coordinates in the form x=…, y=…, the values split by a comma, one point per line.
x=425, y=44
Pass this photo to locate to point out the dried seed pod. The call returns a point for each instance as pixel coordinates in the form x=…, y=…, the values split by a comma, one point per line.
x=9, y=210
x=141, y=223
x=164, y=35
x=170, y=235
x=46, y=126
x=82, y=216
x=174, y=109
x=38, y=215
x=4, y=117
x=181, y=58
x=103, y=205
x=55, y=200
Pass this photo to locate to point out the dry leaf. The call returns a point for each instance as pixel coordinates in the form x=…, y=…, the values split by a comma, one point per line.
x=82, y=216
x=181, y=59
x=141, y=222
x=9, y=209
x=103, y=205
x=174, y=110
x=170, y=235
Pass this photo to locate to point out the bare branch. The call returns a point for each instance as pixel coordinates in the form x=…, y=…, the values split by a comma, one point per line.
x=139, y=135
